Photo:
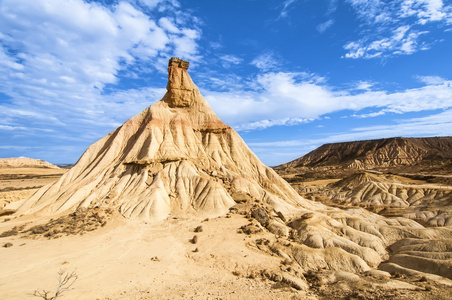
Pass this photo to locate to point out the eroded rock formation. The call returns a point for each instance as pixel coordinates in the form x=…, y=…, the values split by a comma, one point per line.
x=174, y=157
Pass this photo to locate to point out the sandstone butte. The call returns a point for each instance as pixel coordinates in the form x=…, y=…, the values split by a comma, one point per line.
x=176, y=156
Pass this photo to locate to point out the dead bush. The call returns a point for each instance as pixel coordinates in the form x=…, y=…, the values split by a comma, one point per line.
x=65, y=282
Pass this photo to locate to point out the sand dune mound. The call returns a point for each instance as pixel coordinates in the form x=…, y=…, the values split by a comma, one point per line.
x=174, y=157
x=25, y=162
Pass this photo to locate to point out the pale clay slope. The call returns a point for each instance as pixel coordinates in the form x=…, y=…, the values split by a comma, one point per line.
x=177, y=158
x=378, y=190
x=25, y=162
x=432, y=202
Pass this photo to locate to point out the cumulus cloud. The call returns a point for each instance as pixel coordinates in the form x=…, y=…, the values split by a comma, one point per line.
x=281, y=98
x=59, y=62
x=54, y=51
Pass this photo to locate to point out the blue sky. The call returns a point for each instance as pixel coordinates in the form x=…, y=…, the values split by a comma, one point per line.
x=289, y=75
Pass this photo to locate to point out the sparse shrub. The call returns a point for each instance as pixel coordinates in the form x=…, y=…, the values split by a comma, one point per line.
x=250, y=229
x=79, y=222
x=38, y=229
x=198, y=229
x=251, y=274
x=14, y=231
x=263, y=241
x=194, y=240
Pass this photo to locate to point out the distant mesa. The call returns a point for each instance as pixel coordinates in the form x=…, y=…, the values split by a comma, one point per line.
x=25, y=162
x=386, y=152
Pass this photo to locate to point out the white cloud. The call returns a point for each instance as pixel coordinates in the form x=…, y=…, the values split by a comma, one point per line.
x=10, y=128
x=59, y=62
x=425, y=10
x=372, y=11
x=324, y=26
x=364, y=85
x=56, y=51
x=395, y=27
x=285, y=8
x=438, y=124
x=431, y=80
x=262, y=124
x=292, y=98
x=369, y=115
x=150, y=3
x=227, y=60
x=266, y=61
x=403, y=41
x=168, y=25
x=87, y=42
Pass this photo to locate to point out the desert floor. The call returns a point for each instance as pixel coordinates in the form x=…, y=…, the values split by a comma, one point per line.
x=129, y=259
x=21, y=183
x=132, y=260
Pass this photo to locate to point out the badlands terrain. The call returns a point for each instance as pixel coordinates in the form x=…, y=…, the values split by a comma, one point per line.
x=174, y=205
x=21, y=177
x=409, y=177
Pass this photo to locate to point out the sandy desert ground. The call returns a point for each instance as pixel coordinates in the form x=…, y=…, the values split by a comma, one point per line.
x=129, y=259
x=21, y=183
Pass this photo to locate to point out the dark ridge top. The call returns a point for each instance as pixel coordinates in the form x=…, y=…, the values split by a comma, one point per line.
x=388, y=151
